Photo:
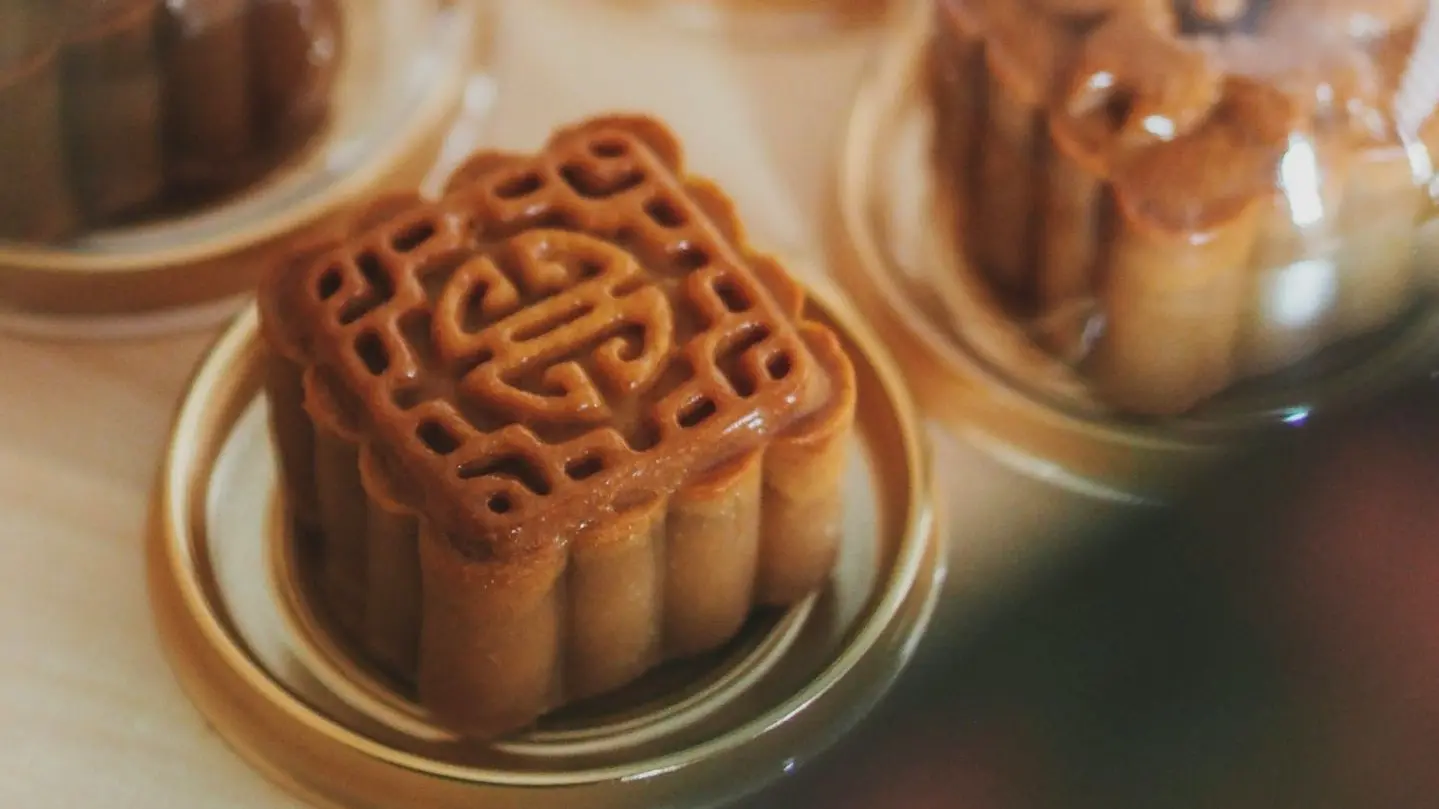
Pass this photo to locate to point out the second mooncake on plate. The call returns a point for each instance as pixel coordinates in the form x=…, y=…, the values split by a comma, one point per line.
x=555, y=427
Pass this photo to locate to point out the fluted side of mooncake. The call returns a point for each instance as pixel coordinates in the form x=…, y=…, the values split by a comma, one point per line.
x=525, y=553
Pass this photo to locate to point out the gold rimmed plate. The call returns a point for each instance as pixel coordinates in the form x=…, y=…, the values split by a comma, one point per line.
x=230, y=592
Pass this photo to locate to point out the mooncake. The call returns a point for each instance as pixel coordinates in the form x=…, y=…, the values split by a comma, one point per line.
x=555, y=427
x=1226, y=182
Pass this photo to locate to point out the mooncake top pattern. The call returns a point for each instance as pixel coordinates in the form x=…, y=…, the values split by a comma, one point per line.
x=557, y=336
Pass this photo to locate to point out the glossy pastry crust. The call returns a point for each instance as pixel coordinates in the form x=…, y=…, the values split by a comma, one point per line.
x=1172, y=167
x=555, y=427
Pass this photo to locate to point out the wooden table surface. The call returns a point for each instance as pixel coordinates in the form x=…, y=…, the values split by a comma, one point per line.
x=89, y=713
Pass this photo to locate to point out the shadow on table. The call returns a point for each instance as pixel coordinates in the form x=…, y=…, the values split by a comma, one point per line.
x=1272, y=641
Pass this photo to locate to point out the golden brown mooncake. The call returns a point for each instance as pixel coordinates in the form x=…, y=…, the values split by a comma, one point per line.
x=1223, y=180
x=555, y=427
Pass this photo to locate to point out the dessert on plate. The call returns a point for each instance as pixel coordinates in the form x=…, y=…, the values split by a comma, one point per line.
x=116, y=111
x=1186, y=193
x=555, y=427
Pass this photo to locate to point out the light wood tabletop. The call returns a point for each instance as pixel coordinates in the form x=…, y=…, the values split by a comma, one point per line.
x=89, y=712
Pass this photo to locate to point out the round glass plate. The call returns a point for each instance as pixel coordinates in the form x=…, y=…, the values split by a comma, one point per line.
x=230, y=587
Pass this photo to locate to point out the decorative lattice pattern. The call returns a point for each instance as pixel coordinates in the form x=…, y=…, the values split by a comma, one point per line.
x=558, y=332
